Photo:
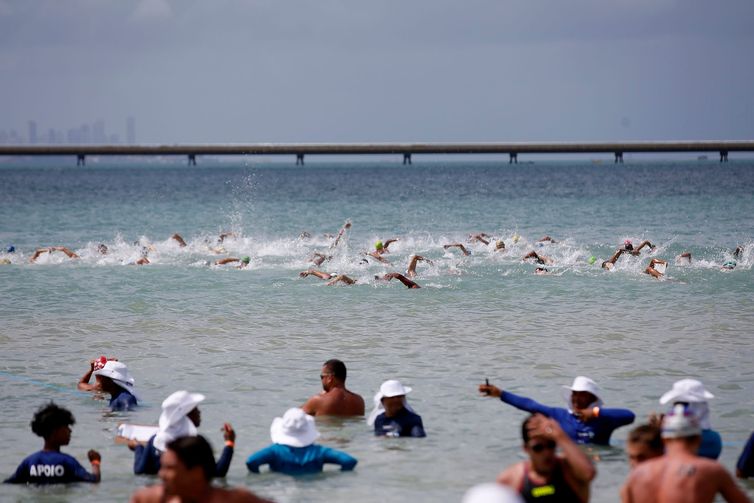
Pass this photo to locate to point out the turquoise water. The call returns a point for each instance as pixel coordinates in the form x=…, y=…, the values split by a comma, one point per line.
x=253, y=340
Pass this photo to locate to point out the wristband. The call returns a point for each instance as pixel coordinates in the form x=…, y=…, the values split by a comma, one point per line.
x=96, y=462
x=596, y=412
x=230, y=443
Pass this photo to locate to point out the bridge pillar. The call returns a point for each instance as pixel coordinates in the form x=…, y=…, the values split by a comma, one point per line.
x=406, y=158
x=80, y=160
x=299, y=159
x=513, y=157
x=723, y=156
x=619, y=157
x=192, y=160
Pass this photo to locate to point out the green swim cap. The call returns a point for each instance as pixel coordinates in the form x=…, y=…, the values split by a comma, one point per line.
x=378, y=245
x=592, y=260
x=246, y=260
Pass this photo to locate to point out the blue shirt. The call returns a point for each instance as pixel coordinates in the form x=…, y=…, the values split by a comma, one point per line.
x=123, y=401
x=712, y=445
x=404, y=424
x=745, y=464
x=299, y=460
x=595, y=431
x=147, y=459
x=48, y=467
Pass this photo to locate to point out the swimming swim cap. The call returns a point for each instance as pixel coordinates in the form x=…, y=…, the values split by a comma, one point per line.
x=627, y=242
x=730, y=264
x=378, y=245
x=4, y=261
x=592, y=260
x=246, y=260
x=11, y=249
x=516, y=237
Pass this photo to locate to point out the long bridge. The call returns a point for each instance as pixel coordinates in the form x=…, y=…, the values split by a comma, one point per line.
x=300, y=150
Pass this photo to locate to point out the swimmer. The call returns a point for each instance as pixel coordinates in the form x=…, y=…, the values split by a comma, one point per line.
x=319, y=258
x=304, y=235
x=346, y=226
x=655, y=272
x=546, y=239
x=500, y=245
x=541, y=271
x=541, y=259
x=102, y=249
x=50, y=250
x=341, y=278
x=225, y=235
x=144, y=260
x=177, y=237
x=325, y=276
x=609, y=264
x=481, y=237
x=94, y=365
x=459, y=246
x=244, y=261
x=737, y=253
x=10, y=249
x=400, y=277
x=629, y=247
x=377, y=256
x=728, y=265
x=380, y=248
x=683, y=259
x=411, y=271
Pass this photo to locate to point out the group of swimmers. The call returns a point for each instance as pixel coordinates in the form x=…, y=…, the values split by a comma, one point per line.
x=669, y=456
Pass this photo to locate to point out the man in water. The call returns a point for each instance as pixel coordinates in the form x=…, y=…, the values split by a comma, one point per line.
x=644, y=443
x=628, y=247
x=116, y=380
x=186, y=471
x=243, y=261
x=653, y=269
x=94, y=365
x=335, y=399
x=540, y=259
x=681, y=475
x=52, y=249
x=50, y=466
x=545, y=476
x=586, y=421
x=331, y=278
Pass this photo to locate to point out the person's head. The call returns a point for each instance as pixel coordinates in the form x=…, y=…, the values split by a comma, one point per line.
x=53, y=423
x=584, y=392
x=628, y=245
x=333, y=373
x=378, y=246
x=11, y=249
x=392, y=395
x=644, y=442
x=187, y=464
x=296, y=429
x=499, y=244
x=607, y=265
x=115, y=377
x=540, y=449
x=102, y=248
x=182, y=404
x=245, y=261
x=681, y=426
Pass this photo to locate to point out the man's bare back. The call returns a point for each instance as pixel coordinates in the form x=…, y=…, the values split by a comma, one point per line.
x=335, y=402
x=156, y=494
x=680, y=478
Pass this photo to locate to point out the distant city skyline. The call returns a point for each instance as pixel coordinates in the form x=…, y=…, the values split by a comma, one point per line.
x=93, y=133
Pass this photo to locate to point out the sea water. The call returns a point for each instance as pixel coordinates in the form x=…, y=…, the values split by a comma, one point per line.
x=253, y=340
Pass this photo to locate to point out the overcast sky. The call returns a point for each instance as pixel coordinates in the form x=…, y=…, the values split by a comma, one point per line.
x=395, y=70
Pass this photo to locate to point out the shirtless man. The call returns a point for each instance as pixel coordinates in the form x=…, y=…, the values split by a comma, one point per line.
x=335, y=399
x=50, y=250
x=186, y=470
x=545, y=474
x=680, y=475
x=651, y=268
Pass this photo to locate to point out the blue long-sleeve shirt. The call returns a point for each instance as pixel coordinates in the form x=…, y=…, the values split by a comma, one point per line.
x=404, y=424
x=595, y=431
x=745, y=464
x=123, y=401
x=48, y=467
x=299, y=460
x=147, y=459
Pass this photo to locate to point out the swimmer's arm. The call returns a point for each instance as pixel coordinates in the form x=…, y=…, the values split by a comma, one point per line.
x=66, y=251
x=179, y=239
x=226, y=260
x=314, y=272
x=38, y=252
x=400, y=277
x=387, y=243
x=457, y=245
x=616, y=255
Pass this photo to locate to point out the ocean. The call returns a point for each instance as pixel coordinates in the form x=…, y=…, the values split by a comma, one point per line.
x=253, y=340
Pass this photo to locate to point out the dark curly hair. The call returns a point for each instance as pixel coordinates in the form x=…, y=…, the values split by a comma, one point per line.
x=49, y=418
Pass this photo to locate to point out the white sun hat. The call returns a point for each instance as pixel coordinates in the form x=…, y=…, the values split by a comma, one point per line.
x=388, y=389
x=680, y=423
x=118, y=372
x=686, y=390
x=296, y=428
x=491, y=492
x=581, y=383
x=173, y=421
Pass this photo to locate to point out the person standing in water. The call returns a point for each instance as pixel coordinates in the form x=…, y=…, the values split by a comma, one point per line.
x=335, y=399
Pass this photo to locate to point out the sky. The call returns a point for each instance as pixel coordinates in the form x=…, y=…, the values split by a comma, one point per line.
x=233, y=71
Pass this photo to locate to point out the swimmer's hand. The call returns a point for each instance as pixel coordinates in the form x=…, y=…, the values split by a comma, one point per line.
x=93, y=455
x=229, y=434
x=490, y=390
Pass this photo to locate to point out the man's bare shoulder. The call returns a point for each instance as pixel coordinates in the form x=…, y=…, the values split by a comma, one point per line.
x=512, y=476
x=236, y=495
x=151, y=494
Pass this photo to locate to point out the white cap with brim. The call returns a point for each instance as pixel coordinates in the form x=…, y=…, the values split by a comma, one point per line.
x=296, y=429
x=118, y=372
x=581, y=383
x=491, y=492
x=680, y=423
x=688, y=391
x=173, y=421
x=388, y=389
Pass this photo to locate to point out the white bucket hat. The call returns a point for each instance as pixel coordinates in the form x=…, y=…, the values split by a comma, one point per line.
x=680, y=423
x=173, y=421
x=296, y=428
x=581, y=383
x=686, y=390
x=119, y=373
x=388, y=389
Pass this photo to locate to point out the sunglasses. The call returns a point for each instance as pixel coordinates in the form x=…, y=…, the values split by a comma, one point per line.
x=322, y=376
x=541, y=447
